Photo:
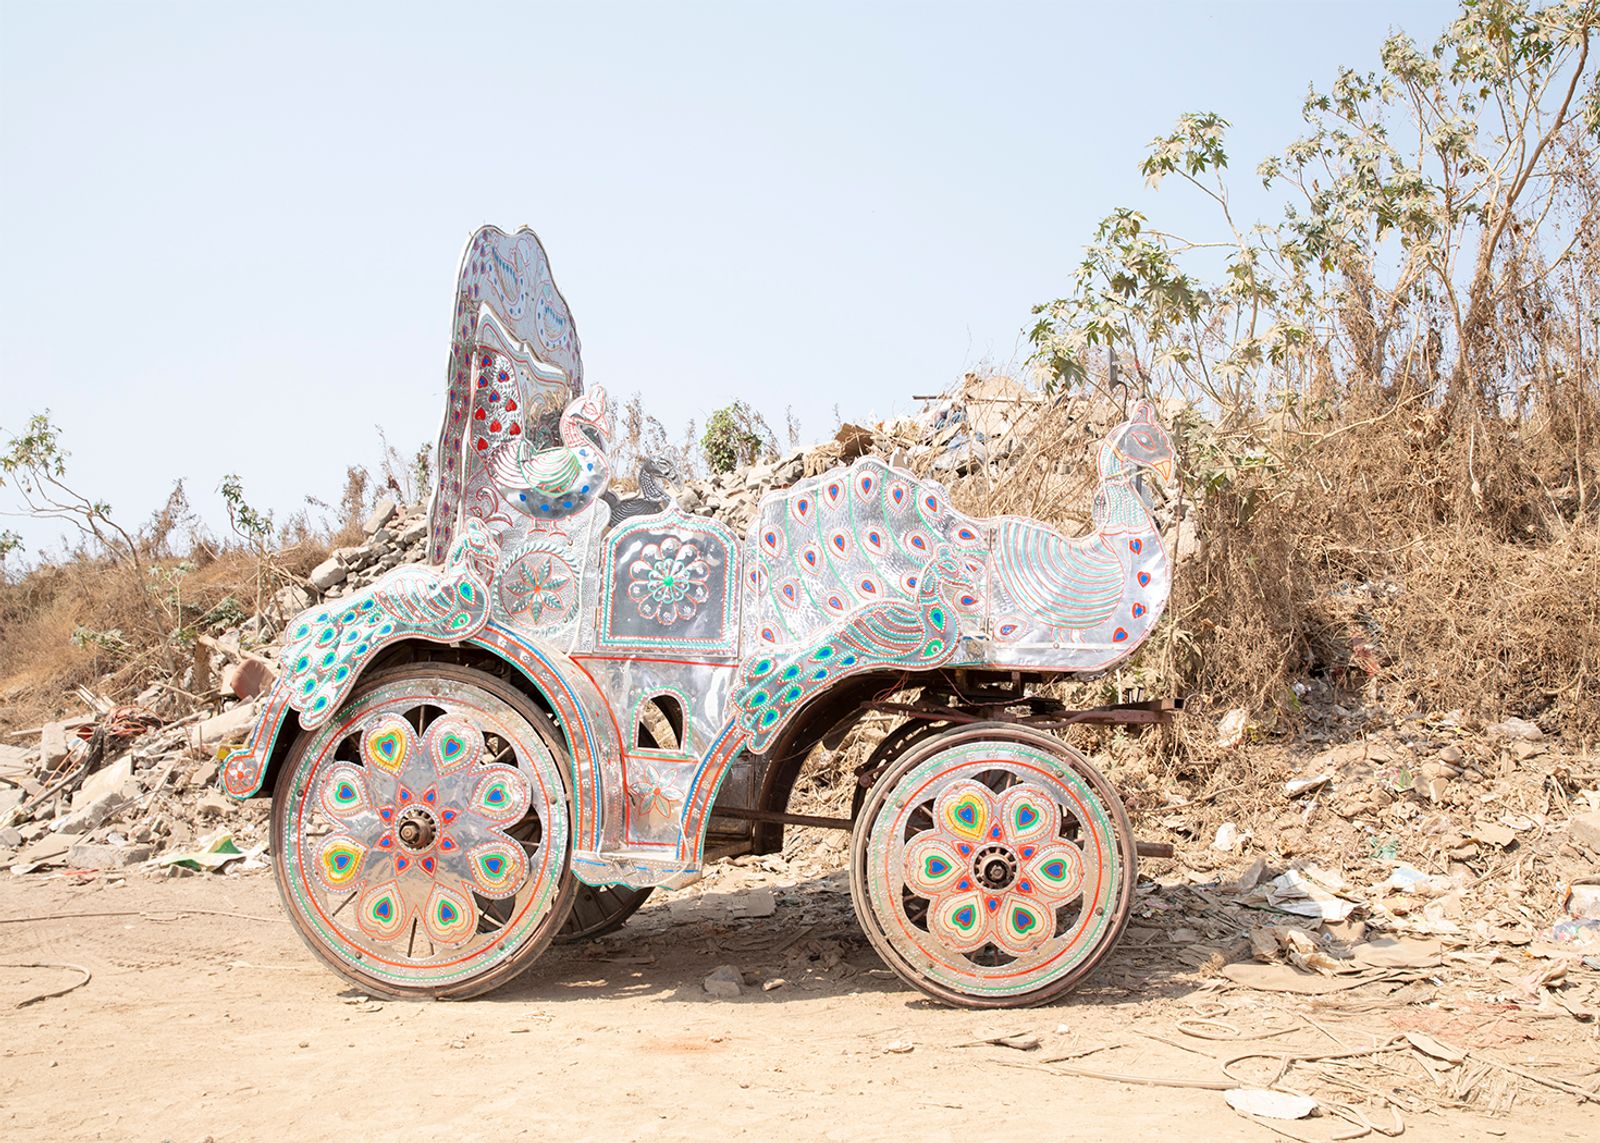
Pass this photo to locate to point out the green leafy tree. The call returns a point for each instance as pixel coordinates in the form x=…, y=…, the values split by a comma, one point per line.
x=736, y=436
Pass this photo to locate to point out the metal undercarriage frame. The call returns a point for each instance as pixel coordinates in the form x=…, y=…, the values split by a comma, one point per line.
x=948, y=699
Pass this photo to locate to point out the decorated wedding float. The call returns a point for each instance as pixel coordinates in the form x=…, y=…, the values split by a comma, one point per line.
x=583, y=696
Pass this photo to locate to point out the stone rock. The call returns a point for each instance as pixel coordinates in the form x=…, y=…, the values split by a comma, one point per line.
x=382, y=512
x=116, y=778
x=412, y=531
x=249, y=677
x=790, y=469
x=754, y=903
x=212, y=804
x=50, y=850
x=229, y=726
x=10, y=837
x=725, y=982
x=292, y=600
x=328, y=573
x=354, y=559
x=87, y=815
x=87, y=855
x=1584, y=830
x=54, y=742
x=1517, y=728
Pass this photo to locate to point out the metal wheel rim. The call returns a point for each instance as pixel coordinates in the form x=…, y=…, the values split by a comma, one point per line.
x=600, y=909
x=507, y=920
x=1083, y=925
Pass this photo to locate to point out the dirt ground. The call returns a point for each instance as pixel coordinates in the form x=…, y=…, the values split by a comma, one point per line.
x=206, y=1018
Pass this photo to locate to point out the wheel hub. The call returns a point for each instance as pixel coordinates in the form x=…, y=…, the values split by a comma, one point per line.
x=995, y=867
x=417, y=828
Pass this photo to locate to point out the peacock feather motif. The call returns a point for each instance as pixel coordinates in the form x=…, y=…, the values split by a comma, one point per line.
x=844, y=544
x=917, y=634
x=505, y=275
x=327, y=647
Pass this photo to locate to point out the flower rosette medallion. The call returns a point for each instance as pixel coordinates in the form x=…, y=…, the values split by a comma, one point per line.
x=993, y=866
x=425, y=833
x=421, y=829
x=667, y=582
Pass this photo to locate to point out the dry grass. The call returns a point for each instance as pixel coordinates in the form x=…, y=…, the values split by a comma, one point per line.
x=100, y=624
x=1377, y=551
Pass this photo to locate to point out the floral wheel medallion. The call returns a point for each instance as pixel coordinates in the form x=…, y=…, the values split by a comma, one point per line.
x=424, y=835
x=993, y=870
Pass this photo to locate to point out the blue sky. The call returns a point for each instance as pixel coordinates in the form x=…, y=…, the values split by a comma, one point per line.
x=229, y=233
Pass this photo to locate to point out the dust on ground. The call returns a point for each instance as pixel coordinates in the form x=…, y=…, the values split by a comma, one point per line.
x=205, y=1018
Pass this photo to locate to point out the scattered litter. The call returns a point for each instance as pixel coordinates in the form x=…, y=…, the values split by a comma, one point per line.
x=1297, y=786
x=899, y=1047
x=1438, y=1049
x=1227, y=838
x=1309, y=892
x=1232, y=728
x=211, y=853
x=1583, y=898
x=87, y=976
x=1269, y=1104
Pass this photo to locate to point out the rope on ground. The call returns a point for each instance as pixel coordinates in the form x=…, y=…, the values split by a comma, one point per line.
x=87, y=976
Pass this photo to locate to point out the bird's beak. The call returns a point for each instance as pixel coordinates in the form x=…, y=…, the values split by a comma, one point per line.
x=1164, y=468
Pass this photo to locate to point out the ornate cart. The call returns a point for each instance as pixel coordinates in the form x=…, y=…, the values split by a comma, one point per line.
x=582, y=697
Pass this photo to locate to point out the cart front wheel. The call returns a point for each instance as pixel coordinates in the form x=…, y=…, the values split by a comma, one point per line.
x=993, y=867
x=423, y=833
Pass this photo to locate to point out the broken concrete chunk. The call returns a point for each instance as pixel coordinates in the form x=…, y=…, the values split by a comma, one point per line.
x=229, y=726
x=382, y=512
x=292, y=600
x=116, y=778
x=54, y=742
x=1584, y=830
x=328, y=573
x=754, y=903
x=87, y=855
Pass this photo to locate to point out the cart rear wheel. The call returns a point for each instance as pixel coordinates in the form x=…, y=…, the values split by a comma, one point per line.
x=423, y=833
x=993, y=867
x=600, y=909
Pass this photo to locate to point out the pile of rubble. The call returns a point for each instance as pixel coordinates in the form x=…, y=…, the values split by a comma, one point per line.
x=980, y=425
x=120, y=787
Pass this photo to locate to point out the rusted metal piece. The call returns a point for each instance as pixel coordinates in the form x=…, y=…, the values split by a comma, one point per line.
x=1154, y=848
x=1153, y=712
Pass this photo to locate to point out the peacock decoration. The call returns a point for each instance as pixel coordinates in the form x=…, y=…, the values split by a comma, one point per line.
x=554, y=483
x=1084, y=602
x=655, y=475
x=843, y=547
x=918, y=634
x=326, y=648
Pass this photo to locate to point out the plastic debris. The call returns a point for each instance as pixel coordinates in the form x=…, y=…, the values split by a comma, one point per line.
x=212, y=853
x=1269, y=1104
x=1309, y=892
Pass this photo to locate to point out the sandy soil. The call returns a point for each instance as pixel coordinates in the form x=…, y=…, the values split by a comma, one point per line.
x=207, y=1019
